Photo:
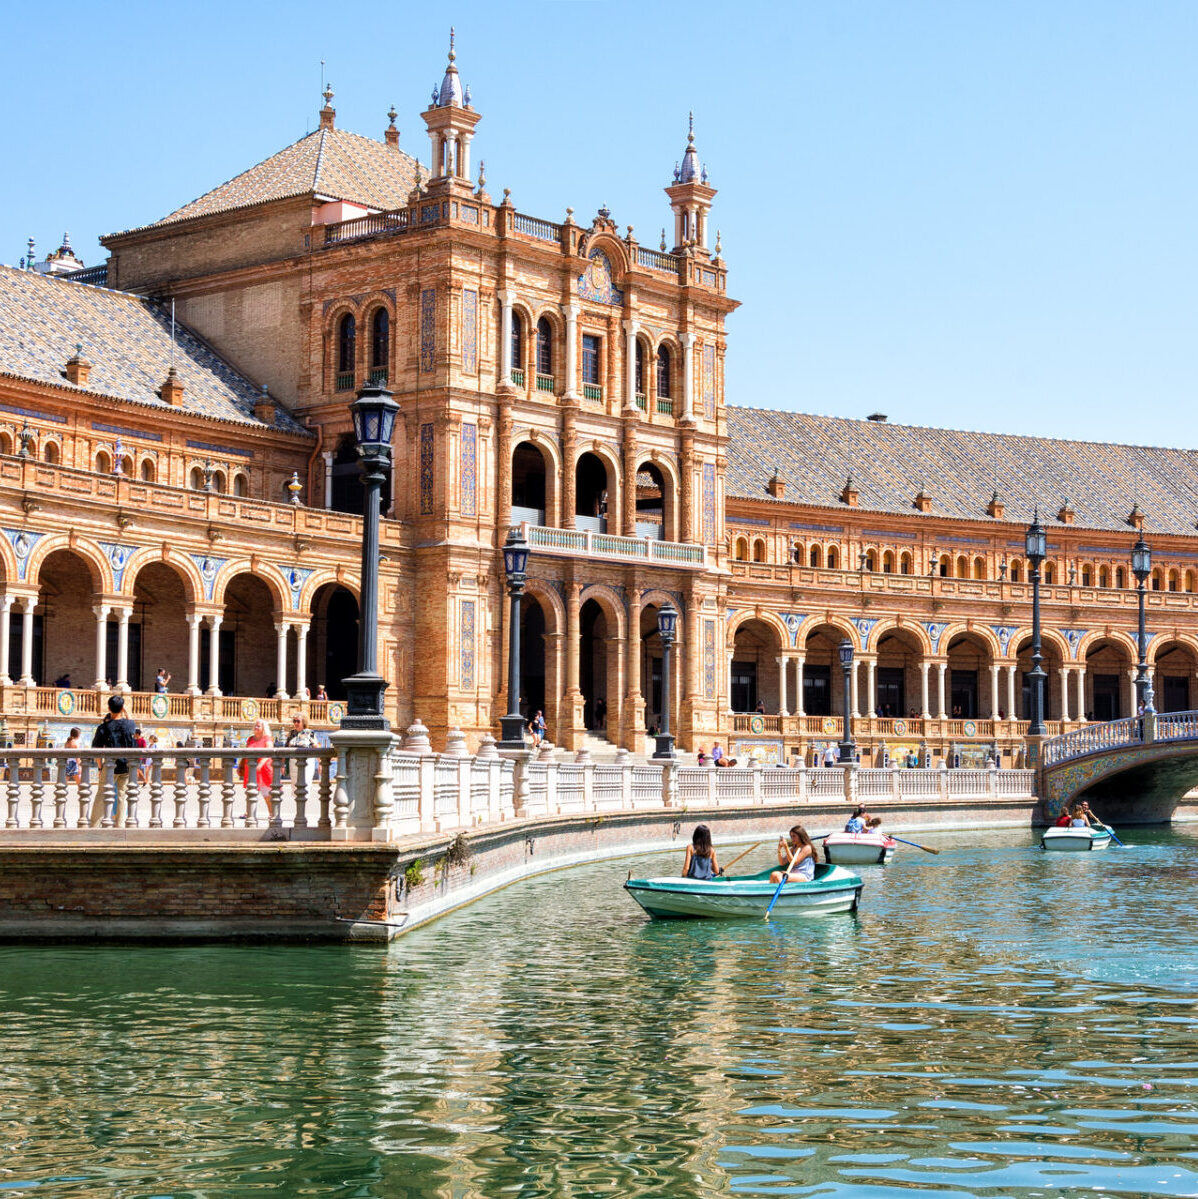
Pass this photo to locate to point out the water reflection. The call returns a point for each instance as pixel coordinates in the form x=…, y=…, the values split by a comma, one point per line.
x=996, y=1021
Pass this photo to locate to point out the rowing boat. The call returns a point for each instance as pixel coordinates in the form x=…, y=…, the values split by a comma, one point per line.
x=859, y=849
x=832, y=890
x=1076, y=840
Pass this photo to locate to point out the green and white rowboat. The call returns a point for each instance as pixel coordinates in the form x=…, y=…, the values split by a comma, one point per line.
x=1076, y=840
x=833, y=890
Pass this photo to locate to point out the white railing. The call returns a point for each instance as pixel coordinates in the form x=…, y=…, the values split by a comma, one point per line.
x=1094, y=738
x=1177, y=726
x=302, y=793
x=592, y=544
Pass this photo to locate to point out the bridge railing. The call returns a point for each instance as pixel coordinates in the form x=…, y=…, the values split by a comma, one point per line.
x=1093, y=738
x=1177, y=726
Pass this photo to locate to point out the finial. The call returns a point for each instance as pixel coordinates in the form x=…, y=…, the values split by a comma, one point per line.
x=295, y=487
x=391, y=115
x=436, y=93
x=26, y=438
x=718, y=245
x=690, y=136
x=328, y=95
x=629, y=227
x=452, y=55
x=418, y=182
x=466, y=96
x=677, y=172
x=663, y=240
x=29, y=258
x=605, y=212
x=482, y=174
x=66, y=241
x=79, y=348
x=703, y=175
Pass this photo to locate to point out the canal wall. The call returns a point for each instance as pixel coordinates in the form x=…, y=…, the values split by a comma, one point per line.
x=164, y=885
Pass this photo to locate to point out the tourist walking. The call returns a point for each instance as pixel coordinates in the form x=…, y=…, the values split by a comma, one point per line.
x=301, y=737
x=536, y=726
x=116, y=731
x=71, y=765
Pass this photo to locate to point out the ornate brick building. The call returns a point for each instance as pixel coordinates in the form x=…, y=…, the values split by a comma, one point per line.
x=179, y=491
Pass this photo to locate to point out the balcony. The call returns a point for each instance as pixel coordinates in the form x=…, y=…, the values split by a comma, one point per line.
x=344, y=381
x=378, y=374
x=641, y=402
x=570, y=543
x=517, y=376
x=593, y=392
x=546, y=383
x=665, y=406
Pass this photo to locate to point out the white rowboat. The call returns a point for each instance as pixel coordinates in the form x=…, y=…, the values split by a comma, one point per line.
x=1075, y=840
x=859, y=849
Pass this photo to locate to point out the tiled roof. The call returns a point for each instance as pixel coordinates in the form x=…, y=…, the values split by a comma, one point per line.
x=890, y=463
x=330, y=162
x=127, y=340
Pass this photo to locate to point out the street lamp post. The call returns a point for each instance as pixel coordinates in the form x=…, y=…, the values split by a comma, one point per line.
x=1035, y=544
x=515, y=566
x=374, y=413
x=848, y=747
x=667, y=623
x=1141, y=567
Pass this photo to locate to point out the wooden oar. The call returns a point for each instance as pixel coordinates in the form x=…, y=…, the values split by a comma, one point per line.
x=782, y=883
x=738, y=858
x=925, y=848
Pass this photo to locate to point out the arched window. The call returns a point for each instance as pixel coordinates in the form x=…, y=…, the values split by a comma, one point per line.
x=1087, y=575
x=1156, y=579
x=816, y=556
x=380, y=345
x=962, y=567
x=979, y=568
x=832, y=558
x=1120, y=577
x=5, y=444
x=1172, y=580
x=742, y=550
x=517, y=348
x=759, y=550
x=1015, y=571
x=240, y=485
x=1189, y=580
x=871, y=560
x=147, y=470
x=50, y=452
x=544, y=354
x=946, y=567
x=904, y=564
x=888, y=562
x=347, y=340
x=1050, y=573
x=1104, y=576
x=663, y=373
x=796, y=554
x=196, y=479
x=640, y=373
x=103, y=463
x=219, y=482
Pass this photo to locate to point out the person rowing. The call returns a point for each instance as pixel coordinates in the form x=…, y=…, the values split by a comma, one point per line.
x=798, y=858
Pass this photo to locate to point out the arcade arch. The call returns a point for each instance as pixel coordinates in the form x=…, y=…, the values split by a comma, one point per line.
x=1174, y=666
x=332, y=644
x=1109, y=689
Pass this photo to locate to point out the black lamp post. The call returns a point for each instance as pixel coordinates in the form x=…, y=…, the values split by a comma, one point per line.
x=1141, y=567
x=515, y=566
x=667, y=624
x=374, y=414
x=1035, y=544
x=848, y=747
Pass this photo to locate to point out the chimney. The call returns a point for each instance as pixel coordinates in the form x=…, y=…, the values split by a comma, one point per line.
x=777, y=485
x=1065, y=513
x=848, y=493
x=264, y=408
x=923, y=501
x=391, y=134
x=328, y=113
x=172, y=389
x=996, y=507
x=1135, y=517
x=78, y=368
x=877, y=417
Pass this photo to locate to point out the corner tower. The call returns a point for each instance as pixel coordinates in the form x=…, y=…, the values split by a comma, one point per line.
x=451, y=121
x=690, y=199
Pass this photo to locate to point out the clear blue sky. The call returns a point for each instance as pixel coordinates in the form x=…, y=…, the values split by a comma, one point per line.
x=971, y=214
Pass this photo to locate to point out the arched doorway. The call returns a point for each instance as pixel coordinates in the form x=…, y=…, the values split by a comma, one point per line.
x=651, y=494
x=590, y=494
x=1107, y=686
x=532, y=661
x=158, y=632
x=1173, y=669
x=248, y=643
x=63, y=641
x=592, y=664
x=899, y=686
x=756, y=648
x=969, y=679
x=823, y=678
x=531, y=485
x=1051, y=662
x=332, y=639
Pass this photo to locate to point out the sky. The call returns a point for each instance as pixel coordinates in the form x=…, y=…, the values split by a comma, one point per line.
x=970, y=214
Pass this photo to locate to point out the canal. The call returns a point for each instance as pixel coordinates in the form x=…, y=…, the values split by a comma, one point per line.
x=995, y=1022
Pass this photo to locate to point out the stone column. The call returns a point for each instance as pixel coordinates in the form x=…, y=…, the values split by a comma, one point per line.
x=503, y=467
x=628, y=517
x=1132, y=700
x=728, y=680
x=1081, y=694
x=214, y=623
x=101, y=612
x=571, y=314
x=994, y=704
x=568, y=512
x=28, y=603
x=630, y=364
x=301, y=661
x=854, y=675
x=943, y=690
x=280, y=661
x=634, y=644
x=800, y=659
x=871, y=690
x=6, y=603
x=925, y=711
x=1012, y=714
x=194, y=620
x=688, y=376
x=686, y=474
x=122, y=650
x=505, y=338
x=782, y=661
x=1063, y=675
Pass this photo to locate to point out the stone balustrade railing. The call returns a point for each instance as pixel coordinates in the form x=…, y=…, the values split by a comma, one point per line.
x=368, y=787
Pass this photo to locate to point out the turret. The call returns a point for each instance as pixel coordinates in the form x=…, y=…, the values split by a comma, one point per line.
x=690, y=198
x=451, y=120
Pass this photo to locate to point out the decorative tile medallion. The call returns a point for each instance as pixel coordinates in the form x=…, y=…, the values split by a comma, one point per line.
x=118, y=558
x=428, y=328
x=709, y=382
x=793, y=620
x=295, y=577
x=426, y=469
x=1074, y=637
x=467, y=651
x=865, y=626
x=469, y=330
x=22, y=543
x=1004, y=633
x=469, y=471
x=595, y=282
x=209, y=569
x=935, y=630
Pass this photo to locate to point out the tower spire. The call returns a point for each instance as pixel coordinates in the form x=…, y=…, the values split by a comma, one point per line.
x=451, y=120
x=328, y=113
x=690, y=197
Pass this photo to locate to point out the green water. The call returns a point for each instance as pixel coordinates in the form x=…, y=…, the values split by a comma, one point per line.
x=996, y=1021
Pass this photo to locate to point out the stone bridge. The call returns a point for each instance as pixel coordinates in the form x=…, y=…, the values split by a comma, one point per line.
x=1132, y=771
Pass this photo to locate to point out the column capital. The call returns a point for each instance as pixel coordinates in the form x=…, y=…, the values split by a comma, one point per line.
x=687, y=339
x=571, y=310
x=631, y=326
x=101, y=611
